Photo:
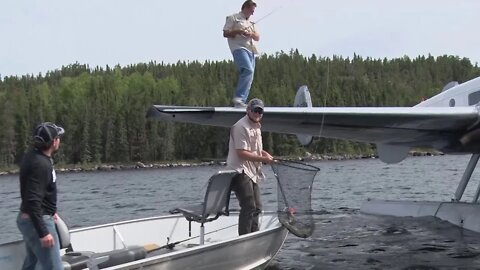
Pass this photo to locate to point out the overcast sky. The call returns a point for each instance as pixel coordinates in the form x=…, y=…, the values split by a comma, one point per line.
x=42, y=35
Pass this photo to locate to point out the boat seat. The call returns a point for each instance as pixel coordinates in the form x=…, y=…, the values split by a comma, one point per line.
x=215, y=203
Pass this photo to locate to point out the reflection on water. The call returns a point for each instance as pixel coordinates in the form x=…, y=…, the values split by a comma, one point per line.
x=343, y=239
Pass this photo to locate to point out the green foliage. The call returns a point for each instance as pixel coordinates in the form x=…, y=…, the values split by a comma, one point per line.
x=103, y=109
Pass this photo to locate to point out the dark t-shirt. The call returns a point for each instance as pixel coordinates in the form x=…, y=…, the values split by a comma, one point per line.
x=38, y=188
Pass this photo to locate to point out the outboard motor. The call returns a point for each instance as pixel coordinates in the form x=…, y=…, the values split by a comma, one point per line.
x=63, y=234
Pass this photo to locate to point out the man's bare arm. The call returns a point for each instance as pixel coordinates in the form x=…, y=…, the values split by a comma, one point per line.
x=245, y=154
x=254, y=35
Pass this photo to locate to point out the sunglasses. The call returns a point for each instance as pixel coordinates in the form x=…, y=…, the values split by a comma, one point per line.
x=257, y=110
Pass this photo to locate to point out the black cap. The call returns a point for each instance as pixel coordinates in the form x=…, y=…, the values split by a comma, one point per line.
x=45, y=133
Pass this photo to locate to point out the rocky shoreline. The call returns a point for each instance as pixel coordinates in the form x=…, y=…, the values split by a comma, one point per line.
x=141, y=165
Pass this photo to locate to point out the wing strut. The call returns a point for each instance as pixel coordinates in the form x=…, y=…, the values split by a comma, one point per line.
x=466, y=178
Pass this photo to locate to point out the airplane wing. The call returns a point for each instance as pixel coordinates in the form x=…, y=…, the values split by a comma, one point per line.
x=393, y=129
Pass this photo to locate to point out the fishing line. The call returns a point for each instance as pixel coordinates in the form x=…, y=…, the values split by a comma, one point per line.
x=325, y=98
x=268, y=14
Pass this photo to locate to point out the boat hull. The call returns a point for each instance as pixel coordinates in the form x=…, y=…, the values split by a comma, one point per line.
x=252, y=252
x=223, y=248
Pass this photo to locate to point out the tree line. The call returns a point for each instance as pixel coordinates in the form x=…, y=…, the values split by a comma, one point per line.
x=103, y=109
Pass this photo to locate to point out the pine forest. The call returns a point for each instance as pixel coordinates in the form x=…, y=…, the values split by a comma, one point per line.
x=103, y=109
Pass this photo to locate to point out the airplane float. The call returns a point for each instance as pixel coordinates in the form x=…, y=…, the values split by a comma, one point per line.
x=448, y=122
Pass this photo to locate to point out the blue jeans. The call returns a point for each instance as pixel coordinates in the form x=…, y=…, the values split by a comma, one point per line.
x=48, y=258
x=245, y=62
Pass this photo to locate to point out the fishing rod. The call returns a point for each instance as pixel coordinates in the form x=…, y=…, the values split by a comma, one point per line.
x=268, y=14
x=153, y=247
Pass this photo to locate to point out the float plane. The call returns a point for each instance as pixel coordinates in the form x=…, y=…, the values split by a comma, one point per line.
x=448, y=122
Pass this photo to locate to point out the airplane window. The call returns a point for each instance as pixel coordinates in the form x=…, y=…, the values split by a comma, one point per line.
x=452, y=103
x=473, y=98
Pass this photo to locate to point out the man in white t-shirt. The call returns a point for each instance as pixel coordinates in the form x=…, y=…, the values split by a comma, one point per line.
x=246, y=155
x=241, y=34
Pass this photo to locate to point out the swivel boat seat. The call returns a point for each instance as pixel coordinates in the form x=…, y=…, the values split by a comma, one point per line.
x=215, y=204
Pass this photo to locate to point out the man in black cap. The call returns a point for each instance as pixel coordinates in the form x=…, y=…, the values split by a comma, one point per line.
x=38, y=190
x=246, y=155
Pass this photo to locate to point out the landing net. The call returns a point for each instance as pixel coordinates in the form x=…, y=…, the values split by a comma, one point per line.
x=294, y=194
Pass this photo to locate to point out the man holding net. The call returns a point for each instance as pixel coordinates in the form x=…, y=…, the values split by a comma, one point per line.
x=246, y=155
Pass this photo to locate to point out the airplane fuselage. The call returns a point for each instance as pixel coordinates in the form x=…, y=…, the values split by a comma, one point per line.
x=460, y=95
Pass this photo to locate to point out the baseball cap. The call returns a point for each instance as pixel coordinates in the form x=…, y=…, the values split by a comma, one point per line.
x=45, y=133
x=255, y=103
x=248, y=3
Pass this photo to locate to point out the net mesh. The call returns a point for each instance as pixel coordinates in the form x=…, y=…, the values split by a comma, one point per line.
x=294, y=193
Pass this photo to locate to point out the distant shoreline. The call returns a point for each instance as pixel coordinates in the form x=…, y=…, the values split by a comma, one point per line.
x=210, y=162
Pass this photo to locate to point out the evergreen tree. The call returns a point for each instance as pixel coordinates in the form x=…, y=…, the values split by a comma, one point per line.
x=103, y=109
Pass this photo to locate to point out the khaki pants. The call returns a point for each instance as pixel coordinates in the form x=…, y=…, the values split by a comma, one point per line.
x=248, y=195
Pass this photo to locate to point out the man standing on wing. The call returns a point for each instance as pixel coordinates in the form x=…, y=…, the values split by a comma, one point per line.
x=246, y=155
x=241, y=33
x=38, y=190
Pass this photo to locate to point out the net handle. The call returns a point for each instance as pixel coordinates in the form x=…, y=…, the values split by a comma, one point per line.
x=285, y=162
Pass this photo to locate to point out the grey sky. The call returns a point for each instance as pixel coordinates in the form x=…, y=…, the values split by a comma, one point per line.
x=41, y=35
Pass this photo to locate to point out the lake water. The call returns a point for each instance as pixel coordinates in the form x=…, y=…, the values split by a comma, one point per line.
x=344, y=238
